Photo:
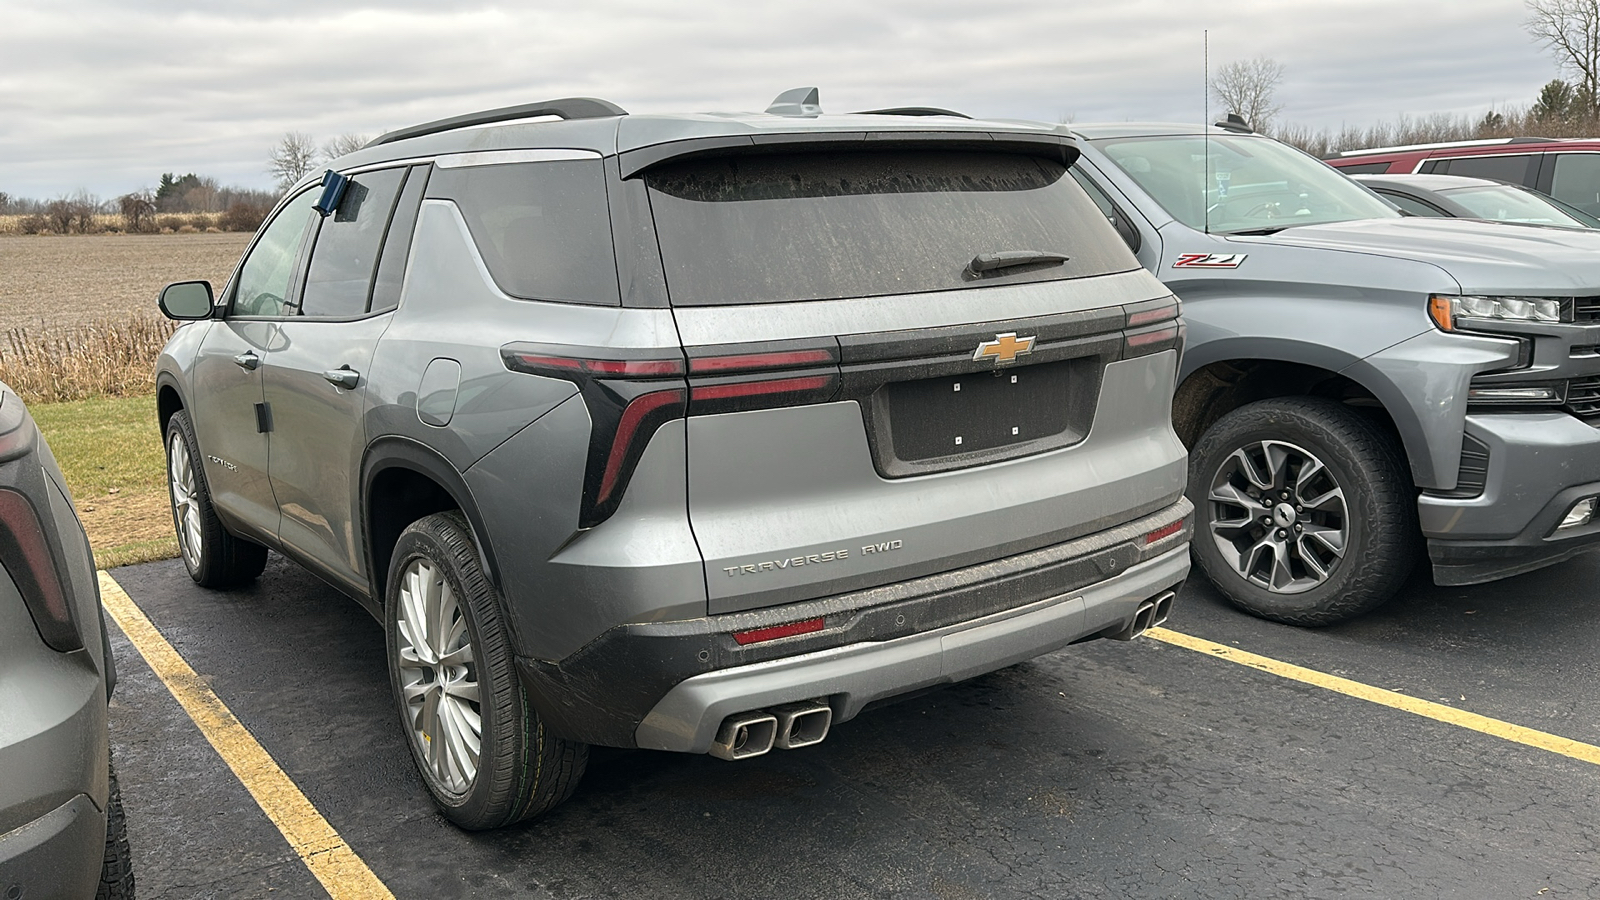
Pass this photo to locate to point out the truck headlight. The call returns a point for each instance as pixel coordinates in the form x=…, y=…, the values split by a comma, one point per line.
x=1445, y=310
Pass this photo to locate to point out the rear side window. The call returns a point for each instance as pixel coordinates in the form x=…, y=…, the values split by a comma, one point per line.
x=1577, y=181
x=1514, y=168
x=543, y=227
x=817, y=226
x=346, y=252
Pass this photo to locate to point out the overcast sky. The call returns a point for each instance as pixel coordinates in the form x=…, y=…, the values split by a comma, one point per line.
x=105, y=95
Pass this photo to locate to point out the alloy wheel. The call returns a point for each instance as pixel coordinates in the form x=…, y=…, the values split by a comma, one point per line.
x=185, y=502
x=438, y=676
x=1278, y=516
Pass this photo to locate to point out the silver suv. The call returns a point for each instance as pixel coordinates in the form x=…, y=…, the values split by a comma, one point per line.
x=689, y=432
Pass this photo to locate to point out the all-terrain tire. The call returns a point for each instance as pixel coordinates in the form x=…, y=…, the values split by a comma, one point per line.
x=1368, y=465
x=214, y=558
x=523, y=770
x=116, y=873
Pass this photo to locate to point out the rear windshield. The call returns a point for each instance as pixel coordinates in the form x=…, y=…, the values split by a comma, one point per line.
x=822, y=226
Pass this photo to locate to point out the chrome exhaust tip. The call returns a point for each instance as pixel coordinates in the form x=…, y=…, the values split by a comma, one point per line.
x=1163, y=608
x=802, y=724
x=745, y=735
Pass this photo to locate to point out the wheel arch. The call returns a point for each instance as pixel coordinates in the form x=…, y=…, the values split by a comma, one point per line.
x=1218, y=381
x=169, y=399
x=403, y=480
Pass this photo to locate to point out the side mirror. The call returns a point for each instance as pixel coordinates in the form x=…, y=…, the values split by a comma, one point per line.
x=186, y=300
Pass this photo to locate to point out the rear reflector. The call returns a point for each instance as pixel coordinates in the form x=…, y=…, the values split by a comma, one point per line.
x=1164, y=532
x=757, y=635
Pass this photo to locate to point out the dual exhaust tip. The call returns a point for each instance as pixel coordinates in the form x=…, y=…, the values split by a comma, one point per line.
x=1151, y=613
x=787, y=727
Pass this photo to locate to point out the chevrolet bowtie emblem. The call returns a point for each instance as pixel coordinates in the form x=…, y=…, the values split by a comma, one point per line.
x=1005, y=348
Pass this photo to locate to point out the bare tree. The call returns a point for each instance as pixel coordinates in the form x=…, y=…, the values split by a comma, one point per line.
x=1246, y=87
x=344, y=143
x=292, y=158
x=138, y=212
x=1570, y=29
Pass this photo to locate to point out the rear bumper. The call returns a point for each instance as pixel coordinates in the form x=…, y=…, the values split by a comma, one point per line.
x=1540, y=464
x=854, y=675
x=603, y=693
x=58, y=854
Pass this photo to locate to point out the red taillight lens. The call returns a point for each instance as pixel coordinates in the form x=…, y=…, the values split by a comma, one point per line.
x=630, y=430
x=706, y=392
x=1152, y=340
x=25, y=553
x=758, y=635
x=1164, y=531
x=1162, y=313
x=743, y=362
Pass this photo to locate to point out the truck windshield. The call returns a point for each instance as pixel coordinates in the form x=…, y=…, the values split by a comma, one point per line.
x=1251, y=184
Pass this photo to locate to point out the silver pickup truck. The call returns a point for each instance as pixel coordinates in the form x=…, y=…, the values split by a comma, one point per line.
x=1358, y=383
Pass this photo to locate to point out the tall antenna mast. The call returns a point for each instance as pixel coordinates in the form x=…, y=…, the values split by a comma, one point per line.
x=1205, y=126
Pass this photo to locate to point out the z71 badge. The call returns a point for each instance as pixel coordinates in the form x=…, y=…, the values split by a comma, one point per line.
x=1209, y=260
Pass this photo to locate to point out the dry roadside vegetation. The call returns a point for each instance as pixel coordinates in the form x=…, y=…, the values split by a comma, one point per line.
x=79, y=334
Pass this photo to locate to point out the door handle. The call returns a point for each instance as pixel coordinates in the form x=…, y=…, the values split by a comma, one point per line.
x=247, y=360
x=346, y=378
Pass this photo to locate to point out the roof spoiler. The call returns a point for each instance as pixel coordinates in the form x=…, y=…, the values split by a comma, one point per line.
x=912, y=111
x=1059, y=147
x=566, y=108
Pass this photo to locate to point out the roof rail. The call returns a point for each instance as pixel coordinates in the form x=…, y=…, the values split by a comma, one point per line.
x=912, y=111
x=566, y=108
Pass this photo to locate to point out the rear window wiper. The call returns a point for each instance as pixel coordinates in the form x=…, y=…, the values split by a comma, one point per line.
x=1005, y=259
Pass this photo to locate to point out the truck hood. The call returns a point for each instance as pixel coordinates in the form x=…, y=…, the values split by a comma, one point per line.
x=1484, y=257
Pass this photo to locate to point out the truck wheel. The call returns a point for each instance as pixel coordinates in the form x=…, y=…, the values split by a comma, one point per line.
x=482, y=749
x=1306, y=514
x=215, y=558
x=116, y=872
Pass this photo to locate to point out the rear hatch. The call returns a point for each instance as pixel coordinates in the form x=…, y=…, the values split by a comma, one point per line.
x=896, y=363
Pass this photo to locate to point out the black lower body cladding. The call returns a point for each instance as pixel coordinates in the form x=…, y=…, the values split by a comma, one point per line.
x=601, y=693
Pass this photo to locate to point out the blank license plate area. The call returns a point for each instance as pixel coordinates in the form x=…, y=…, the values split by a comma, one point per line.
x=978, y=411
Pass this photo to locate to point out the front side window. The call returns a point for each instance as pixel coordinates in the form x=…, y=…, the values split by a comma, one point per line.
x=339, y=277
x=1239, y=184
x=1577, y=181
x=264, y=279
x=833, y=225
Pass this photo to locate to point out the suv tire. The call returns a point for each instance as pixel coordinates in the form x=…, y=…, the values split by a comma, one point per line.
x=447, y=644
x=215, y=558
x=1305, y=514
x=116, y=873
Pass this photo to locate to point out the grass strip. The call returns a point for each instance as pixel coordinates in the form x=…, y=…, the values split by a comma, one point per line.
x=109, y=450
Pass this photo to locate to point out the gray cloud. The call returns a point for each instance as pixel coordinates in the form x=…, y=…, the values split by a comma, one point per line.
x=106, y=95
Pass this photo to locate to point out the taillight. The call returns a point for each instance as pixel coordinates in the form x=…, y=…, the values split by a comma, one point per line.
x=629, y=394
x=25, y=553
x=1153, y=312
x=632, y=393
x=733, y=378
x=1152, y=326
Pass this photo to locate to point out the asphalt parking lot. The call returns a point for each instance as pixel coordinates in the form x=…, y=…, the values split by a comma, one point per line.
x=1104, y=770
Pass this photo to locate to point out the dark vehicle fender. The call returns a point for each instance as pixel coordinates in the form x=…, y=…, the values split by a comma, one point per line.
x=387, y=454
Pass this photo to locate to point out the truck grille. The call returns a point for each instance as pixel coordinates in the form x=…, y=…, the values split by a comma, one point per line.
x=1586, y=309
x=1583, y=398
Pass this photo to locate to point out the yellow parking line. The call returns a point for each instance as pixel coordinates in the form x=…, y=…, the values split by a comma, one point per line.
x=330, y=859
x=1437, y=711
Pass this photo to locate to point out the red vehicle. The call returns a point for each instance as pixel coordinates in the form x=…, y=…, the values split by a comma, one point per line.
x=1567, y=169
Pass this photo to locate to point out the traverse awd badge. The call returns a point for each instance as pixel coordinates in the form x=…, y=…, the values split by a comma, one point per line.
x=1005, y=348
